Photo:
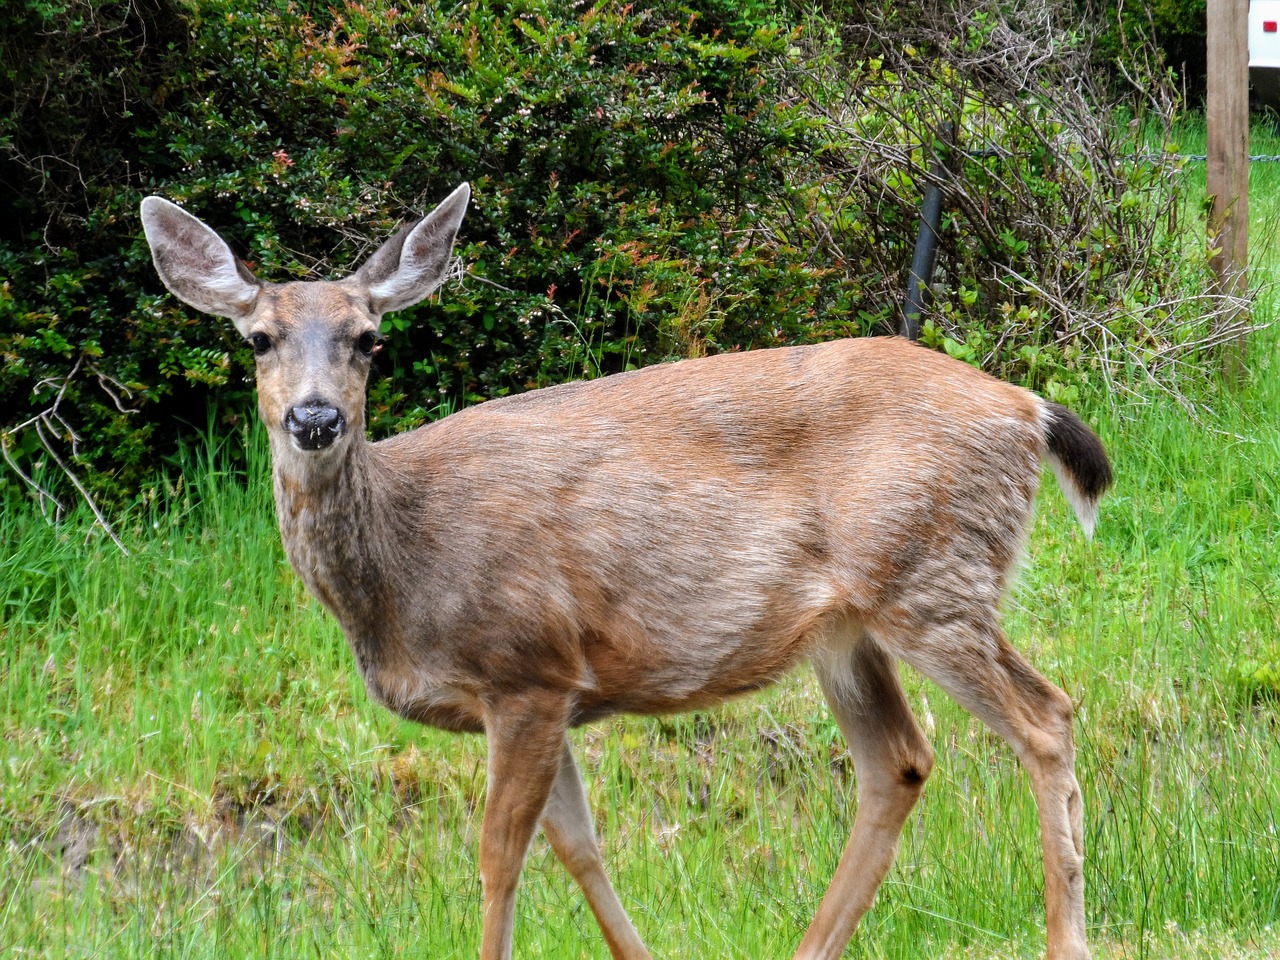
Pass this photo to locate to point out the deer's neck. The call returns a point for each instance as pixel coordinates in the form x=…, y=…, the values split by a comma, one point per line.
x=340, y=536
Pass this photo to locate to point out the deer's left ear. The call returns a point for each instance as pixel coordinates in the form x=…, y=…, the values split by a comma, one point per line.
x=197, y=265
x=409, y=266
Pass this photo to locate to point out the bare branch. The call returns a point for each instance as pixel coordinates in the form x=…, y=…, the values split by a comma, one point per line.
x=109, y=386
x=49, y=424
x=42, y=495
x=84, y=493
x=1062, y=224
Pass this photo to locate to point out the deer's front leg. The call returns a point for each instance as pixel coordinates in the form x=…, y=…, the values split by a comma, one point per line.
x=526, y=735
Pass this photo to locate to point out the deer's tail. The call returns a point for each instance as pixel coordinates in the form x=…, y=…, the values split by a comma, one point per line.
x=1079, y=462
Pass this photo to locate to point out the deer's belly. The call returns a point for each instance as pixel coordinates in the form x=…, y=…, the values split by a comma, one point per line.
x=423, y=699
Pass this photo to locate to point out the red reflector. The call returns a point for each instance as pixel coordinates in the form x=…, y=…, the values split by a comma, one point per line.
x=1268, y=26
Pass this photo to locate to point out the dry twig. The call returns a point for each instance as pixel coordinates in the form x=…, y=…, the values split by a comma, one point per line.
x=49, y=425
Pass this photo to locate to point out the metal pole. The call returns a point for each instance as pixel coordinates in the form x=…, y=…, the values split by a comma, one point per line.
x=925, y=259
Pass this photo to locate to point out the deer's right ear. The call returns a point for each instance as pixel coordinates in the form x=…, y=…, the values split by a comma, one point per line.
x=197, y=265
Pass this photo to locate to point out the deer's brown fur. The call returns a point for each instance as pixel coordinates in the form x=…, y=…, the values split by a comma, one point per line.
x=659, y=541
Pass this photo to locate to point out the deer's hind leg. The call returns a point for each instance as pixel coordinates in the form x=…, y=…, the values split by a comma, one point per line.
x=891, y=760
x=972, y=661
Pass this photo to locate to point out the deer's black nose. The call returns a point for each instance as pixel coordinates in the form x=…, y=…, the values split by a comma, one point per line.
x=314, y=424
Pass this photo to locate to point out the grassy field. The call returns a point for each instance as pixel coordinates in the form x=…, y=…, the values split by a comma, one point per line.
x=191, y=767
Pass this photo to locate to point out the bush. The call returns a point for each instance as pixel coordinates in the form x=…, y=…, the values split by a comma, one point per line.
x=1176, y=28
x=1066, y=260
x=619, y=159
x=648, y=183
x=75, y=75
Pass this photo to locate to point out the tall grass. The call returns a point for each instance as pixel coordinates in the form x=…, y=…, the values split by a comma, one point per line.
x=192, y=769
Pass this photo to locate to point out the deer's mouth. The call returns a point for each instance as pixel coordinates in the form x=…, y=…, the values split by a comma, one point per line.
x=315, y=424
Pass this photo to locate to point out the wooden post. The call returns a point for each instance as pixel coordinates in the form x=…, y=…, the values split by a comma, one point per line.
x=1227, y=177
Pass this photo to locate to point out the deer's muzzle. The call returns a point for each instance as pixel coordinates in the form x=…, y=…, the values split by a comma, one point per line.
x=314, y=424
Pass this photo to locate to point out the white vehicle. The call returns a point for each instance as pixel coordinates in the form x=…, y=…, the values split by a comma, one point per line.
x=1264, y=51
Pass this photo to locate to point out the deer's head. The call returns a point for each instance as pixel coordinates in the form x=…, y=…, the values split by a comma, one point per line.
x=313, y=340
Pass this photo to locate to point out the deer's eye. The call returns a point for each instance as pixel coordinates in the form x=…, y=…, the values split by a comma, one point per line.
x=368, y=343
x=260, y=342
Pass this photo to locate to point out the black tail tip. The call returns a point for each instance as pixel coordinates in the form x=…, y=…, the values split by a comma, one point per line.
x=1079, y=450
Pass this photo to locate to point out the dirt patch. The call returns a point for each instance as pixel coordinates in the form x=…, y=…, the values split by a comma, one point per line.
x=92, y=839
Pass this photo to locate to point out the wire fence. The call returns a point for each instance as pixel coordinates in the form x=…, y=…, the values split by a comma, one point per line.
x=989, y=152
x=1201, y=158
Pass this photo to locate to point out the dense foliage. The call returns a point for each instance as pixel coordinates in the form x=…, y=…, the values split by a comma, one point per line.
x=619, y=160
x=1175, y=27
x=648, y=183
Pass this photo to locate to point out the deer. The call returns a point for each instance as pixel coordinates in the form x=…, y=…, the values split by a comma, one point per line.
x=662, y=540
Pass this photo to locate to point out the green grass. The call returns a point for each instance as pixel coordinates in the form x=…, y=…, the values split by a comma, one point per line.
x=191, y=768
